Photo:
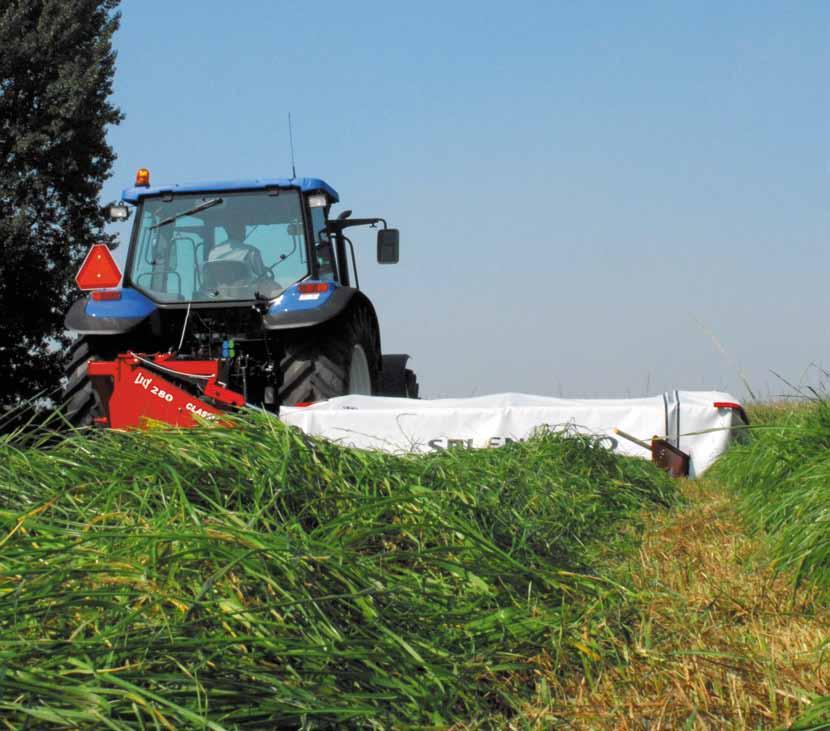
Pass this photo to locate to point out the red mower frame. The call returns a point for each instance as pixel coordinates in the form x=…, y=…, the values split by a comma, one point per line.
x=133, y=391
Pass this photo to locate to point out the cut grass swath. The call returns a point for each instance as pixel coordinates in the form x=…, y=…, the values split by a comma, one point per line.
x=782, y=479
x=253, y=577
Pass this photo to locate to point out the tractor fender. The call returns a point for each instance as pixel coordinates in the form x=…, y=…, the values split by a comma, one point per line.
x=109, y=317
x=333, y=305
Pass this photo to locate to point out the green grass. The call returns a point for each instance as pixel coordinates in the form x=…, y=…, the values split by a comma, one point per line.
x=253, y=577
x=782, y=479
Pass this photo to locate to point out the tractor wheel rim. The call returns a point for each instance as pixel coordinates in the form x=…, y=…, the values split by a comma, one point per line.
x=360, y=380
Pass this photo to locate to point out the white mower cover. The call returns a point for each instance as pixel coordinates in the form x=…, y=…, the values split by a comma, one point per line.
x=689, y=420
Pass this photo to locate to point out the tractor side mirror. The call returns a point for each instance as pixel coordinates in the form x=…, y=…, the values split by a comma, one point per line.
x=117, y=212
x=388, y=246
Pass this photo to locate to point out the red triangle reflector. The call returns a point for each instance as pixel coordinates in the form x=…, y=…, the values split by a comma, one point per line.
x=99, y=270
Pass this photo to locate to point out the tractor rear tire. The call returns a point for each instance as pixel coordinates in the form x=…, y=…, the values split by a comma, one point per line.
x=79, y=402
x=340, y=357
x=397, y=380
x=412, y=387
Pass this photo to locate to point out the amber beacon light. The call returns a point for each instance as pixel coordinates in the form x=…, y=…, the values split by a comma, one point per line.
x=142, y=178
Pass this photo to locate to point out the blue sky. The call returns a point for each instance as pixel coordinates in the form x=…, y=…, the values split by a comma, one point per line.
x=585, y=191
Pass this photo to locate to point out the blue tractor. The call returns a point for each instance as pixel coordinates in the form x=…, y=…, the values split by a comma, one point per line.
x=242, y=292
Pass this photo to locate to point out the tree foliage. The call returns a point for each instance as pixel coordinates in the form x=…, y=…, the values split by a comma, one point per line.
x=56, y=73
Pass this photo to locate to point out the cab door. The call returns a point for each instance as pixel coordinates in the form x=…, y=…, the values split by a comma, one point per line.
x=326, y=261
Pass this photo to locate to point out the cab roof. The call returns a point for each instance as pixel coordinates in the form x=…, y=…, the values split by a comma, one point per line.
x=306, y=185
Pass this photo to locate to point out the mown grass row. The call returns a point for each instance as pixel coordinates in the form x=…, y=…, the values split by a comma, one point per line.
x=781, y=476
x=252, y=577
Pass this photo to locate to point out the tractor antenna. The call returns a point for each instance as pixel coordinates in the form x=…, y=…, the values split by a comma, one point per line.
x=291, y=141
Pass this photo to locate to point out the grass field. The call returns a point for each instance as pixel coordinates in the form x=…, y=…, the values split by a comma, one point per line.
x=721, y=640
x=252, y=577
x=733, y=630
x=255, y=578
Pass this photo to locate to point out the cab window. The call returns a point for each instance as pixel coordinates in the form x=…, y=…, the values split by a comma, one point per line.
x=323, y=246
x=205, y=247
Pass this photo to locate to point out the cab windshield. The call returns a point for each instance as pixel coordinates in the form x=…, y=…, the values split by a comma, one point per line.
x=210, y=247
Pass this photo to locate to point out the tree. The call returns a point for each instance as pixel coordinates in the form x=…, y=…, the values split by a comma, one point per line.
x=56, y=72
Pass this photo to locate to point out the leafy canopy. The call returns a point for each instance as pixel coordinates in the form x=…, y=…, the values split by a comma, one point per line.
x=56, y=73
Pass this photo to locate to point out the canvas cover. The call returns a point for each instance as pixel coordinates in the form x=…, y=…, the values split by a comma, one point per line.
x=688, y=419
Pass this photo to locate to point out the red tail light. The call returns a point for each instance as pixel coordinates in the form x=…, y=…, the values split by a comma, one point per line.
x=99, y=270
x=103, y=295
x=313, y=288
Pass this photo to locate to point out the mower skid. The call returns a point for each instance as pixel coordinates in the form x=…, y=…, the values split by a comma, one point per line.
x=133, y=391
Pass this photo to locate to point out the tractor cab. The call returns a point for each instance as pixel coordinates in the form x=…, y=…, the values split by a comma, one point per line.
x=238, y=241
x=228, y=242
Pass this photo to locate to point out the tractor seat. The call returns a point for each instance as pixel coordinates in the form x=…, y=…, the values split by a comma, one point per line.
x=217, y=273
